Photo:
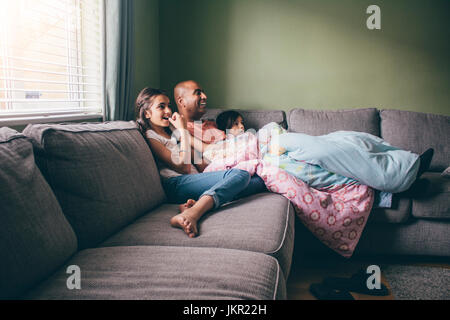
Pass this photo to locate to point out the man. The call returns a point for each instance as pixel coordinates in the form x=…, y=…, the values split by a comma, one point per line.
x=191, y=102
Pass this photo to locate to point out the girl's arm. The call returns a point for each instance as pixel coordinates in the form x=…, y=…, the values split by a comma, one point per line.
x=180, y=164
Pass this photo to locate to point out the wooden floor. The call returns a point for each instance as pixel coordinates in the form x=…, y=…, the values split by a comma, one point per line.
x=314, y=270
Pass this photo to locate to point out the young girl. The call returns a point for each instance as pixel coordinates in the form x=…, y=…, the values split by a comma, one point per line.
x=181, y=180
x=231, y=122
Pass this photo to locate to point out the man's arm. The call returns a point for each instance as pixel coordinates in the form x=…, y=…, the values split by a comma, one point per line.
x=198, y=145
x=200, y=166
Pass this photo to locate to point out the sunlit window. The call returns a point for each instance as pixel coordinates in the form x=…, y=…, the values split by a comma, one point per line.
x=51, y=59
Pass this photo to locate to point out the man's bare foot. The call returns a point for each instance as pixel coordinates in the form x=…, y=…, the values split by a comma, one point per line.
x=184, y=222
x=186, y=205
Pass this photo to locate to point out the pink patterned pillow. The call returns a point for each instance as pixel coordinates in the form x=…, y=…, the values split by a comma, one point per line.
x=336, y=218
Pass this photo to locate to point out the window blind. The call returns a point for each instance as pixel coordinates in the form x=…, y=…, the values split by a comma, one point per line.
x=51, y=58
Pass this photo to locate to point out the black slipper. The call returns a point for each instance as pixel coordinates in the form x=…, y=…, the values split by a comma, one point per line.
x=356, y=283
x=322, y=292
x=425, y=161
x=419, y=186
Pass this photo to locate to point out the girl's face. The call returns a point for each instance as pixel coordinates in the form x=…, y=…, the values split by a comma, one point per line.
x=159, y=111
x=237, y=127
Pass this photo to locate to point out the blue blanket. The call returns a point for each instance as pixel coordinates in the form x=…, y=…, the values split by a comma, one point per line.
x=353, y=155
x=313, y=175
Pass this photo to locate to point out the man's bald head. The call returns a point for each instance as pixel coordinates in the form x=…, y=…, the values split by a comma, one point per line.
x=181, y=88
x=190, y=99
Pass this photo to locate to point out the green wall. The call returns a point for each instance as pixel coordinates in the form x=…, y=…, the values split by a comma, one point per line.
x=313, y=54
x=146, y=53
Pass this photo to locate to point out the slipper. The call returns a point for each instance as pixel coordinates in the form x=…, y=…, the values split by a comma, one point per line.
x=356, y=283
x=425, y=161
x=322, y=292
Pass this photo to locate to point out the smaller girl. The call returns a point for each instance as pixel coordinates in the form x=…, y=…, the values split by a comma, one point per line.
x=231, y=122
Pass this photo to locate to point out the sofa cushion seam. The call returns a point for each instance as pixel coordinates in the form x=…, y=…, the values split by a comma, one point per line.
x=19, y=136
x=277, y=280
x=285, y=230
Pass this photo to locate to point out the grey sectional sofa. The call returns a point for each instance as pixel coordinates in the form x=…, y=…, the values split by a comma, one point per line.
x=89, y=195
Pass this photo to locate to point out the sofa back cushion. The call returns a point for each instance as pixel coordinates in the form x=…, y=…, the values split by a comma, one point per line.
x=253, y=119
x=103, y=175
x=416, y=132
x=35, y=237
x=320, y=122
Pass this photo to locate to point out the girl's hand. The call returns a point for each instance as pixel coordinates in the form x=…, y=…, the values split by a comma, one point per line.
x=178, y=121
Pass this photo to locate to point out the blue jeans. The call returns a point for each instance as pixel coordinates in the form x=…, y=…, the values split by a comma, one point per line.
x=256, y=185
x=223, y=186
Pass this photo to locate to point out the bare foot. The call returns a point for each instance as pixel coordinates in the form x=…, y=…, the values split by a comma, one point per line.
x=186, y=205
x=184, y=222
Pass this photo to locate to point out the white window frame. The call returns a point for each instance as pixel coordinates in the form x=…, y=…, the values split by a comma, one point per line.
x=19, y=118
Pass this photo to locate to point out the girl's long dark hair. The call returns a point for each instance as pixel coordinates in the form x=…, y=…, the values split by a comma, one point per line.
x=143, y=102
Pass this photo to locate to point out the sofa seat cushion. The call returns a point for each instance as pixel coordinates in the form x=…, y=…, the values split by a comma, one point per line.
x=163, y=273
x=399, y=212
x=103, y=174
x=424, y=237
x=416, y=132
x=253, y=119
x=35, y=237
x=320, y=122
x=262, y=223
x=417, y=237
x=434, y=203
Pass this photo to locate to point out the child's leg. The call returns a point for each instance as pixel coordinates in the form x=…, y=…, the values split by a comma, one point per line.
x=256, y=185
x=227, y=185
x=186, y=205
x=192, y=186
x=234, y=182
x=187, y=220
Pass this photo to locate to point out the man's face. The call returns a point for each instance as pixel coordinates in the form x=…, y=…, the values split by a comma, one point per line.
x=194, y=101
